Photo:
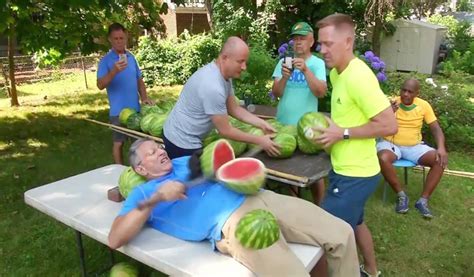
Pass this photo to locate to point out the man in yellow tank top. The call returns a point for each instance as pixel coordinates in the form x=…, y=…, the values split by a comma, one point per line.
x=407, y=144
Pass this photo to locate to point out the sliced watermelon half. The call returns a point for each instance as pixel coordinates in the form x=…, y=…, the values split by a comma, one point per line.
x=215, y=155
x=242, y=175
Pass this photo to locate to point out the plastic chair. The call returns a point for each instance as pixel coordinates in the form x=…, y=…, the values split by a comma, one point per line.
x=405, y=164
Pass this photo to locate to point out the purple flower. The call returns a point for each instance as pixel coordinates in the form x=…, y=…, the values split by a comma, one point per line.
x=271, y=95
x=375, y=59
x=376, y=65
x=291, y=42
x=381, y=77
x=382, y=65
x=369, y=55
x=281, y=50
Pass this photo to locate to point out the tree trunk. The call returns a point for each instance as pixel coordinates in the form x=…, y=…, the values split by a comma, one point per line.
x=208, y=4
x=376, y=35
x=11, y=65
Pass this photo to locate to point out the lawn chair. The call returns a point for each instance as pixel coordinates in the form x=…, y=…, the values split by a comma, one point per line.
x=405, y=164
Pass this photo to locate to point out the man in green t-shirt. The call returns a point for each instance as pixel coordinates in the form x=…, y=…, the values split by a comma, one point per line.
x=300, y=86
x=360, y=112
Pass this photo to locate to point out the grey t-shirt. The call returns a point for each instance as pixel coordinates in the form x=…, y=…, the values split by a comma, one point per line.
x=204, y=94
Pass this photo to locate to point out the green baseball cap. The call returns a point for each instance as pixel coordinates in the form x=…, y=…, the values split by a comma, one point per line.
x=301, y=28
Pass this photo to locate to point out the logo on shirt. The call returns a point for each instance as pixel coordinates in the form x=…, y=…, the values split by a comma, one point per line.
x=338, y=101
x=297, y=77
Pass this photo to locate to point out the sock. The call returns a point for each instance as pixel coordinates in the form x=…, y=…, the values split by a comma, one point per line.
x=423, y=200
x=401, y=194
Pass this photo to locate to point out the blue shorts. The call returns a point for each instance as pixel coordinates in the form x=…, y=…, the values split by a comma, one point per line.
x=411, y=153
x=346, y=196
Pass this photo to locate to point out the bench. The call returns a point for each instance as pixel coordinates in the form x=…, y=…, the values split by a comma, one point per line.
x=81, y=203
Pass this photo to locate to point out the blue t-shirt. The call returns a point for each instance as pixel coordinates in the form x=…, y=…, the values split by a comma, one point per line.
x=123, y=89
x=297, y=98
x=199, y=217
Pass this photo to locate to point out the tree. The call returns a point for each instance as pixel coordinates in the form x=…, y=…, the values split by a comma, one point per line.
x=67, y=26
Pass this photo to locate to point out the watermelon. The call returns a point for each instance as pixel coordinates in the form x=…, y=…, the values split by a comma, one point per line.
x=133, y=121
x=148, y=109
x=123, y=269
x=239, y=147
x=213, y=135
x=257, y=132
x=166, y=107
x=124, y=114
x=242, y=175
x=128, y=180
x=156, y=126
x=275, y=123
x=215, y=155
x=146, y=121
x=309, y=120
x=305, y=146
x=289, y=129
x=257, y=229
x=287, y=144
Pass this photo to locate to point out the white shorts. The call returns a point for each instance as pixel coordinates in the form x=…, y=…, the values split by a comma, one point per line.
x=411, y=153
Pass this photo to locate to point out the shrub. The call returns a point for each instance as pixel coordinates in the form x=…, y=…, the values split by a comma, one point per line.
x=173, y=61
x=458, y=34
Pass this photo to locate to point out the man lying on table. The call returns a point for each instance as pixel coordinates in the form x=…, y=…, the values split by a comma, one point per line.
x=210, y=211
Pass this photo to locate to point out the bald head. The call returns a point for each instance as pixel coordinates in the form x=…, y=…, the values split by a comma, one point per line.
x=233, y=45
x=412, y=84
x=233, y=58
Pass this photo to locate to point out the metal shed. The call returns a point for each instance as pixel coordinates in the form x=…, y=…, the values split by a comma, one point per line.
x=413, y=47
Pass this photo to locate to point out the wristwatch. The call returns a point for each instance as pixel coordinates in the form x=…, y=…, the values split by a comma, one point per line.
x=346, y=134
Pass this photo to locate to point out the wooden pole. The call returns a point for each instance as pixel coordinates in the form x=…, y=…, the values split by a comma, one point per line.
x=127, y=131
x=464, y=174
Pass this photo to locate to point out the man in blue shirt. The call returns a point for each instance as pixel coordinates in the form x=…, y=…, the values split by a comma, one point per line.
x=300, y=86
x=118, y=72
x=210, y=211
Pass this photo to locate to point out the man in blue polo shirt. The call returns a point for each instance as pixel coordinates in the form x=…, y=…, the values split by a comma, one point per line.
x=118, y=72
x=210, y=211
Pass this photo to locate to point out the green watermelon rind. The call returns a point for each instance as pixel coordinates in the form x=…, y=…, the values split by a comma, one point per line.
x=133, y=121
x=128, y=180
x=287, y=144
x=238, y=146
x=146, y=122
x=124, y=114
x=120, y=269
x=156, y=126
x=308, y=120
x=257, y=229
x=307, y=147
x=207, y=157
x=248, y=187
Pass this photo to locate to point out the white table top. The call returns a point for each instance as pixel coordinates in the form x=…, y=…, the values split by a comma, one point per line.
x=81, y=202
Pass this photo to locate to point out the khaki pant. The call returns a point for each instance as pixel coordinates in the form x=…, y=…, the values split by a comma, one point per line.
x=300, y=222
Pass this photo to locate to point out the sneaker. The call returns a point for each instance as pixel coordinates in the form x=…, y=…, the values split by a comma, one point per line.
x=423, y=209
x=402, y=205
x=364, y=273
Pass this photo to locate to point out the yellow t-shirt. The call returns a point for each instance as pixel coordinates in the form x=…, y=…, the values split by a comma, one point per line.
x=410, y=120
x=356, y=97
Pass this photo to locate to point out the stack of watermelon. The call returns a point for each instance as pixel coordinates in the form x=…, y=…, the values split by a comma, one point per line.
x=257, y=229
x=150, y=120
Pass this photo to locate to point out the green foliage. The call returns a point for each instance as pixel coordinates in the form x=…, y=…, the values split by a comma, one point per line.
x=48, y=57
x=174, y=60
x=464, y=6
x=458, y=34
x=460, y=61
x=255, y=83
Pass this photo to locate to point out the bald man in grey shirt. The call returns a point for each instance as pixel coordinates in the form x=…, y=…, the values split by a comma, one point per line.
x=206, y=101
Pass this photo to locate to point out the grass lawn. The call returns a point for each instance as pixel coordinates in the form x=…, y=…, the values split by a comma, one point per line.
x=46, y=139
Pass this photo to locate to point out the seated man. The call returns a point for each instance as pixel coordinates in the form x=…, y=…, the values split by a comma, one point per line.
x=411, y=111
x=210, y=211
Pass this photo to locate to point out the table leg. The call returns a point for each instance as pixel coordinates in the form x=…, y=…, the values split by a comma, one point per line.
x=81, y=253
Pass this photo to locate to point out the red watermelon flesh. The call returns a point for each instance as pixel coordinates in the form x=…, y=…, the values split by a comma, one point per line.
x=222, y=154
x=215, y=155
x=242, y=175
x=241, y=170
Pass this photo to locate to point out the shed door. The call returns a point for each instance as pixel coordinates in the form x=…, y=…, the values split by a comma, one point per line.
x=408, y=45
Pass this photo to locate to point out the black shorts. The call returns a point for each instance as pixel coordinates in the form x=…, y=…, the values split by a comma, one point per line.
x=116, y=136
x=176, y=151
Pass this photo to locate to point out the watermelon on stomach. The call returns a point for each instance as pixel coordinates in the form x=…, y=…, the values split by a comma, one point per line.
x=242, y=175
x=257, y=229
x=215, y=155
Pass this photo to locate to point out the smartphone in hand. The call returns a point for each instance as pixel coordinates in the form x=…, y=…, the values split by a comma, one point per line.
x=123, y=57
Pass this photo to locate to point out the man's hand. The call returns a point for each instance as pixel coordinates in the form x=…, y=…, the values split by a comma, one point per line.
x=148, y=101
x=266, y=127
x=269, y=146
x=285, y=72
x=442, y=157
x=170, y=191
x=120, y=65
x=394, y=105
x=329, y=135
x=299, y=64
